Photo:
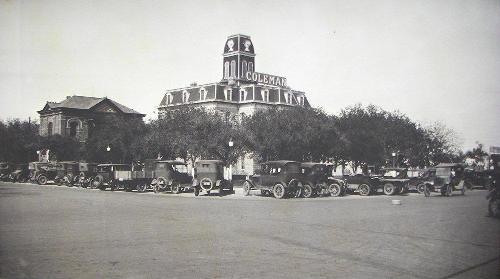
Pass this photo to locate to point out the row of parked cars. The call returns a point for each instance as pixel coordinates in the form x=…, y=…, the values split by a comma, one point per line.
x=277, y=178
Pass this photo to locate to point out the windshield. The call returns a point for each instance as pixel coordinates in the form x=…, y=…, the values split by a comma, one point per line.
x=443, y=172
x=180, y=168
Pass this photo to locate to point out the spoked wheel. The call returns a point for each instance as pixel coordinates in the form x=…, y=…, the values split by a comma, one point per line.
x=389, y=189
x=364, y=190
x=307, y=191
x=175, y=188
x=420, y=188
x=42, y=180
x=334, y=190
x=246, y=188
x=494, y=207
x=141, y=188
x=279, y=191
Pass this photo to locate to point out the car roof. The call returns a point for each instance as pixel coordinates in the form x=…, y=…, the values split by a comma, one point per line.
x=311, y=164
x=209, y=161
x=447, y=165
x=394, y=168
x=172, y=162
x=280, y=162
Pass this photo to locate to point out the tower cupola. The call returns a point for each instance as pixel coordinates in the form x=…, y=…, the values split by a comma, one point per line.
x=239, y=57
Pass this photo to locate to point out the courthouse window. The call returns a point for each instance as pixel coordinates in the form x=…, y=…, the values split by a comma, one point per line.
x=233, y=68
x=226, y=70
x=244, y=68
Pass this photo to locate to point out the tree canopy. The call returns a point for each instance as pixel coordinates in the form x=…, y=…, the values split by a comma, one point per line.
x=360, y=136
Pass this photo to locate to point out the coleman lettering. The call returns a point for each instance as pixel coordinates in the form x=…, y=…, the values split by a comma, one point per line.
x=265, y=79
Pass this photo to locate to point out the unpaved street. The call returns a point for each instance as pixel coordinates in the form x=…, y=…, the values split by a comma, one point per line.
x=61, y=232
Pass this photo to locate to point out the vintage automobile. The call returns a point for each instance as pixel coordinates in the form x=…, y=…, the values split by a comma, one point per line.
x=107, y=176
x=394, y=180
x=418, y=183
x=5, y=170
x=363, y=184
x=34, y=170
x=86, y=172
x=47, y=172
x=449, y=177
x=166, y=175
x=66, y=173
x=209, y=176
x=318, y=180
x=20, y=174
x=281, y=178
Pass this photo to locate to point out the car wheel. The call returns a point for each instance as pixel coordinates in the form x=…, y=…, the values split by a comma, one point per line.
x=494, y=207
x=427, y=190
x=307, y=191
x=389, y=189
x=196, y=191
x=246, y=188
x=279, y=191
x=98, y=182
x=175, y=188
x=421, y=188
x=42, y=180
x=67, y=181
x=334, y=190
x=364, y=190
x=161, y=184
x=141, y=188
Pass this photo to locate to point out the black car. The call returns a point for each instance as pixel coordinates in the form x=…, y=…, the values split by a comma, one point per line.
x=281, y=178
x=318, y=180
x=363, y=184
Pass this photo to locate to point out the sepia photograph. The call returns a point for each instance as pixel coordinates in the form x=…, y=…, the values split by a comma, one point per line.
x=249, y=139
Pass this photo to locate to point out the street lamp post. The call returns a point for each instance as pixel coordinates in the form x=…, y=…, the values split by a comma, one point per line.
x=393, y=159
x=108, y=149
x=230, y=174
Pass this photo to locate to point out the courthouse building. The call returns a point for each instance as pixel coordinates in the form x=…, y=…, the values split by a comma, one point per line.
x=241, y=91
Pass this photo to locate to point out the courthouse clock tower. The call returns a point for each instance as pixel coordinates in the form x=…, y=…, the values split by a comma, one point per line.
x=239, y=58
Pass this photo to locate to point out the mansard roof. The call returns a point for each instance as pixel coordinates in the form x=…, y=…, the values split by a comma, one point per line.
x=86, y=103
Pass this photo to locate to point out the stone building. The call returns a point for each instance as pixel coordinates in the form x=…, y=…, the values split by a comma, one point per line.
x=242, y=90
x=75, y=115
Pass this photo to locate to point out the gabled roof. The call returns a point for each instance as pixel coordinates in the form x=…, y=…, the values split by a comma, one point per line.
x=86, y=103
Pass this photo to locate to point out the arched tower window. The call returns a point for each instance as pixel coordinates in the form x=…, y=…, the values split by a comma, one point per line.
x=50, y=126
x=233, y=68
x=226, y=70
x=169, y=99
x=250, y=67
x=243, y=68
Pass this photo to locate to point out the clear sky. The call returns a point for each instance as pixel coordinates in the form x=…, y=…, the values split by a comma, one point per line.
x=432, y=60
